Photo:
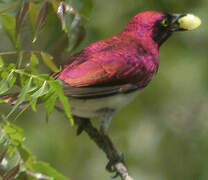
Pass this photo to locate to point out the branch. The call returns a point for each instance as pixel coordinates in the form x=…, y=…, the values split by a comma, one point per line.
x=122, y=171
x=106, y=145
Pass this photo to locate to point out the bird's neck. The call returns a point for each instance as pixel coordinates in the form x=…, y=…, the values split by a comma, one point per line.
x=160, y=36
x=146, y=42
x=149, y=36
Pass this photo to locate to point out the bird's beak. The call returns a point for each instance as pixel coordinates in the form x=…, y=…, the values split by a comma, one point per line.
x=184, y=22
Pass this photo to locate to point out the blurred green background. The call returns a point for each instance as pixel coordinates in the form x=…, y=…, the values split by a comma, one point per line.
x=164, y=132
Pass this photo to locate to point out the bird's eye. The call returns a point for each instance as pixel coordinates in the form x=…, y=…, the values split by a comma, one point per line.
x=165, y=22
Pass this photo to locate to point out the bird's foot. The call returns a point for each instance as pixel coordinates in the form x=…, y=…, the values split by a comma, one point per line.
x=110, y=167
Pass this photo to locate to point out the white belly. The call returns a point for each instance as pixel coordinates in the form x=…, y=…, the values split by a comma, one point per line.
x=91, y=108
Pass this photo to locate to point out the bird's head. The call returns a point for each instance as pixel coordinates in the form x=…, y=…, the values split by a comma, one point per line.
x=159, y=26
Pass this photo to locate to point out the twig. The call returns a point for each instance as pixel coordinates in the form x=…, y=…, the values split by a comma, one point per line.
x=106, y=145
x=22, y=51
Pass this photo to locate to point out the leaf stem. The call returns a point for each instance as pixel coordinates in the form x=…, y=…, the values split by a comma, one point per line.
x=28, y=74
x=8, y=53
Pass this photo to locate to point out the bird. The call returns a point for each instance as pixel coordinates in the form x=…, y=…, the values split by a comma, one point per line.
x=107, y=75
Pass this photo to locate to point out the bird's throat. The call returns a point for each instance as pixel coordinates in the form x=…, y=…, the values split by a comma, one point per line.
x=161, y=36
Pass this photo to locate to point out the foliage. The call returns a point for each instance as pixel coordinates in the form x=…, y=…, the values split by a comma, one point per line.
x=17, y=161
x=25, y=81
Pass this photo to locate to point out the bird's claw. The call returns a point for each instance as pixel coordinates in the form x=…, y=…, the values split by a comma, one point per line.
x=110, y=167
x=116, y=175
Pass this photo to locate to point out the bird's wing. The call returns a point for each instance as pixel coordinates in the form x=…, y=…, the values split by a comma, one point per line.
x=97, y=91
x=112, y=66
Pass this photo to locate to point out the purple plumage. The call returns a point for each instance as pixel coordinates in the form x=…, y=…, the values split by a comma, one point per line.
x=130, y=57
x=106, y=75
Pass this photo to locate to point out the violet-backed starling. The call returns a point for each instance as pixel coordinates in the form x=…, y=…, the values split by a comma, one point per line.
x=109, y=74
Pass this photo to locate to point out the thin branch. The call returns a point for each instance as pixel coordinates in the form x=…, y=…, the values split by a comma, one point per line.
x=22, y=51
x=8, y=53
x=106, y=145
x=9, y=9
x=123, y=172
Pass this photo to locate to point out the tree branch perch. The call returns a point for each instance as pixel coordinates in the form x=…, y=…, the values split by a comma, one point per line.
x=116, y=163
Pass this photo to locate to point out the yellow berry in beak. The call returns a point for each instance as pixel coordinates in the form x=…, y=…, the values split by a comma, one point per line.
x=189, y=22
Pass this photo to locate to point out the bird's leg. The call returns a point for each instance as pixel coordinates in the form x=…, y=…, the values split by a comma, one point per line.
x=111, y=166
x=81, y=123
x=107, y=116
x=116, y=162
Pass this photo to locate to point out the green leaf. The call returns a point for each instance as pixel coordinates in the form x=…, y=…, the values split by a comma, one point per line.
x=9, y=26
x=46, y=169
x=48, y=60
x=40, y=92
x=42, y=16
x=15, y=135
x=25, y=153
x=39, y=167
x=6, y=84
x=33, y=98
x=33, y=16
x=22, y=96
x=34, y=62
x=26, y=106
x=65, y=103
x=12, y=81
x=23, y=10
x=63, y=99
x=87, y=8
x=21, y=163
x=49, y=102
x=2, y=101
x=33, y=105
